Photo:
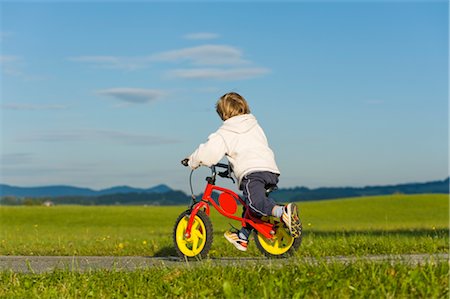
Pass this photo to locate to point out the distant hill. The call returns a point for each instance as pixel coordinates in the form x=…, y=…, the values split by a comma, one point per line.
x=157, y=199
x=60, y=191
x=306, y=194
x=164, y=195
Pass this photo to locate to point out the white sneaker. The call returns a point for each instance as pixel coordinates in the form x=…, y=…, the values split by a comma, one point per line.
x=291, y=220
x=234, y=239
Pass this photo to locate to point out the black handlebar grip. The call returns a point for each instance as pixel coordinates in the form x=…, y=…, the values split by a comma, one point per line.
x=221, y=165
x=224, y=174
x=185, y=162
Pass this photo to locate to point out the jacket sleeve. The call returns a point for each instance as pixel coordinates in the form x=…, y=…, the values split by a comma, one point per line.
x=208, y=153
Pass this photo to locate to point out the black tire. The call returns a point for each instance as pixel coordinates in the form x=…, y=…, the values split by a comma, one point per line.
x=287, y=245
x=198, y=246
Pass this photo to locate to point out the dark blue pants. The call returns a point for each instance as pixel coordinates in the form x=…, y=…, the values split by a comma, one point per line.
x=254, y=187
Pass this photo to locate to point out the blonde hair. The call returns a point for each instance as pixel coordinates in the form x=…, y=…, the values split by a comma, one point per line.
x=231, y=104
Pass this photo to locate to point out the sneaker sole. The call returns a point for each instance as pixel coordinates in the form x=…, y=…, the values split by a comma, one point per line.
x=295, y=228
x=238, y=246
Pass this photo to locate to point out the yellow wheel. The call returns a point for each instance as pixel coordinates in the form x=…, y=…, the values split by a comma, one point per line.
x=281, y=245
x=199, y=242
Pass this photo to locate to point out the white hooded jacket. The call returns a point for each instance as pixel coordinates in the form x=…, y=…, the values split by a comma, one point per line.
x=244, y=143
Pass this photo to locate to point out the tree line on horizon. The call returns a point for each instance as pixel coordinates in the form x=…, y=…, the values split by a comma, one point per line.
x=173, y=197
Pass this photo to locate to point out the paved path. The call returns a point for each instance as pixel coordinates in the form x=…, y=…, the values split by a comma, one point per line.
x=41, y=264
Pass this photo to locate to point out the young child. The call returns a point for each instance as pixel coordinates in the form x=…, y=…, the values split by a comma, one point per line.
x=245, y=145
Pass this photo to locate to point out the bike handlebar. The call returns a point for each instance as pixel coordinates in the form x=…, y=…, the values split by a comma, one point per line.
x=185, y=162
x=212, y=179
x=221, y=165
x=224, y=174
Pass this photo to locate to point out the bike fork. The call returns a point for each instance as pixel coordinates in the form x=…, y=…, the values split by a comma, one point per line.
x=198, y=206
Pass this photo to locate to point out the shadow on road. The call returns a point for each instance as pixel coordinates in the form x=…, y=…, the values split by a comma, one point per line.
x=165, y=251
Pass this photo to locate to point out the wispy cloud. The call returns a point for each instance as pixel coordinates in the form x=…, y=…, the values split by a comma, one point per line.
x=204, y=55
x=50, y=173
x=218, y=74
x=133, y=95
x=114, y=62
x=199, y=55
x=219, y=62
x=13, y=65
x=201, y=36
x=32, y=107
x=15, y=159
x=95, y=135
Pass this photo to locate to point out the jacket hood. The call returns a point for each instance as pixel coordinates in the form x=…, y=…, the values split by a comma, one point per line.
x=240, y=124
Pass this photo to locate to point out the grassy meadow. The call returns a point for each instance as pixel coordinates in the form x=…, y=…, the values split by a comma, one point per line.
x=358, y=226
x=360, y=280
x=397, y=224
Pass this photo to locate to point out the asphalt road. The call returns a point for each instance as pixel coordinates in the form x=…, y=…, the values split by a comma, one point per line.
x=42, y=264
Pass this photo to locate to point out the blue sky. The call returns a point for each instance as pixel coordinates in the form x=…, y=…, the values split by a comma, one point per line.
x=112, y=93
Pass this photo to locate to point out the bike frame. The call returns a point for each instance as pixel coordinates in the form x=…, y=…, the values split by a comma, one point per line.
x=265, y=228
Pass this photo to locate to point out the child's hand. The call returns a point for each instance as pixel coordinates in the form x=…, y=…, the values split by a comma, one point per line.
x=185, y=162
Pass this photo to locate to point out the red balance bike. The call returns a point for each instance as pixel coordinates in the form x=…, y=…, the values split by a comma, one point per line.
x=193, y=231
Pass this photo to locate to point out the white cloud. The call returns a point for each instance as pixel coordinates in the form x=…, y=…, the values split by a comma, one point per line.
x=204, y=55
x=201, y=36
x=133, y=95
x=32, y=107
x=135, y=139
x=12, y=65
x=218, y=74
x=114, y=62
x=233, y=65
x=199, y=55
x=15, y=159
x=101, y=136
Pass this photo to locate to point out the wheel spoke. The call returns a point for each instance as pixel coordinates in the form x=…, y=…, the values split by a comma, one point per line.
x=195, y=243
x=195, y=225
x=181, y=230
x=282, y=233
x=198, y=234
x=183, y=225
x=276, y=243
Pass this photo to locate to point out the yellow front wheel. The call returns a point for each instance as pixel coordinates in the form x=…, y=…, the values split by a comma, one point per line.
x=199, y=242
x=281, y=245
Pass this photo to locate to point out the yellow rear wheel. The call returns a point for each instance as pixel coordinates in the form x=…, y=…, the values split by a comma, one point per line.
x=200, y=239
x=281, y=245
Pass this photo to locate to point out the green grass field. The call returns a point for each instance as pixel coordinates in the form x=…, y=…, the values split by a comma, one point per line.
x=361, y=280
x=373, y=225
x=351, y=227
